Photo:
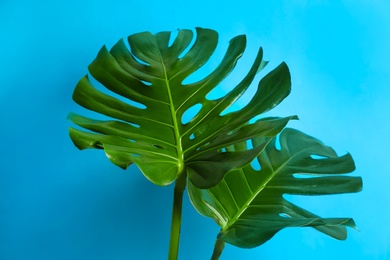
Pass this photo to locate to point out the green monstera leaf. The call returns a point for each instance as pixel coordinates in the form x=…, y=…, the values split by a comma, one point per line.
x=249, y=206
x=145, y=100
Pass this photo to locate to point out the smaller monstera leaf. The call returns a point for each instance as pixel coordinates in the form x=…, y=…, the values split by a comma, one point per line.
x=152, y=134
x=249, y=206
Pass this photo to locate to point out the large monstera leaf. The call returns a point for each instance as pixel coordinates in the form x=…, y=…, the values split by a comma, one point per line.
x=152, y=134
x=249, y=206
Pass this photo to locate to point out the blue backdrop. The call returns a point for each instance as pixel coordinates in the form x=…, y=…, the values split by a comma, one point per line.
x=59, y=203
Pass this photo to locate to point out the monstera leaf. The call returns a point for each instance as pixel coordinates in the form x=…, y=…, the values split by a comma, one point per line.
x=146, y=99
x=249, y=206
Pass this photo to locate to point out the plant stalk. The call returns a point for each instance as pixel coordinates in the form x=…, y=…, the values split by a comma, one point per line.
x=180, y=185
x=218, y=248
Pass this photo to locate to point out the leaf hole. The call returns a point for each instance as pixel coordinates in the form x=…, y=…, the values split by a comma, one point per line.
x=193, y=78
x=255, y=164
x=147, y=83
x=190, y=113
x=158, y=146
x=304, y=175
x=318, y=157
x=232, y=108
x=135, y=104
x=136, y=155
x=278, y=145
x=284, y=215
x=249, y=144
x=135, y=125
x=216, y=93
x=192, y=137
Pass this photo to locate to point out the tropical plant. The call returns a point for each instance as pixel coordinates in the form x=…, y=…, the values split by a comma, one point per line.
x=147, y=101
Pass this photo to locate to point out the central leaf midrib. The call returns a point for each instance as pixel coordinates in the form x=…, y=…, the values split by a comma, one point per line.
x=179, y=148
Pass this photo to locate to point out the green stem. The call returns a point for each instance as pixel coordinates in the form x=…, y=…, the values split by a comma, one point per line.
x=218, y=248
x=176, y=216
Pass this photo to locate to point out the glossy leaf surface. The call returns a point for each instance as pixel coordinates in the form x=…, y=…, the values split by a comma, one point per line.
x=249, y=204
x=145, y=125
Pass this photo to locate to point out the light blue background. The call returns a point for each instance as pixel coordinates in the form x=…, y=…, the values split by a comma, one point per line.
x=59, y=203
